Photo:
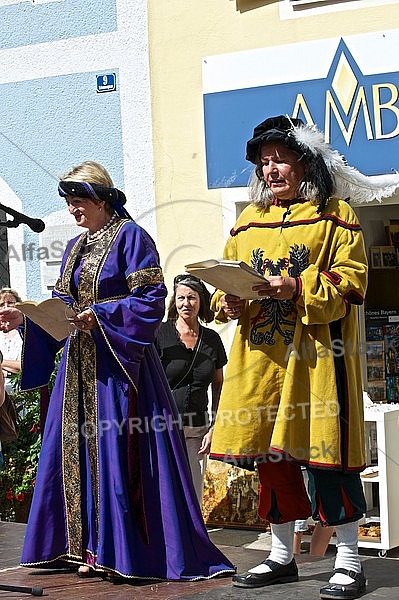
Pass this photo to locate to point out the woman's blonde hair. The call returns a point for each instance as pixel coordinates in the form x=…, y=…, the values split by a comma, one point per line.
x=89, y=171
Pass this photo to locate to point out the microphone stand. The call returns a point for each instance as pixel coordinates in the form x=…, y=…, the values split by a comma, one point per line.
x=36, y=225
x=14, y=223
x=23, y=590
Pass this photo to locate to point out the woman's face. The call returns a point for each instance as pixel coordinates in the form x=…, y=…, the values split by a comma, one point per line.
x=282, y=170
x=187, y=302
x=86, y=212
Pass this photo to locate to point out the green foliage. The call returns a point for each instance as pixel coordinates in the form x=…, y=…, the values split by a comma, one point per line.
x=18, y=475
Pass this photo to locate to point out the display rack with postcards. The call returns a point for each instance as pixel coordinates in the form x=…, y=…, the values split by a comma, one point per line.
x=382, y=355
x=375, y=361
x=391, y=337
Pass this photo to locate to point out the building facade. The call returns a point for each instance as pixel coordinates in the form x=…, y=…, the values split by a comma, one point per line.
x=74, y=86
x=219, y=68
x=165, y=95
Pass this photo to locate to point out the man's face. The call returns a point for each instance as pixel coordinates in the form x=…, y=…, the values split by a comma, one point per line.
x=282, y=170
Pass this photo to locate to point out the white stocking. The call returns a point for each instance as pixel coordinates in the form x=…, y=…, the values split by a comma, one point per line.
x=347, y=552
x=282, y=546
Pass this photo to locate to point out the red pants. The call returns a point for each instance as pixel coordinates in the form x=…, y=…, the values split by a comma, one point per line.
x=336, y=497
x=282, y=494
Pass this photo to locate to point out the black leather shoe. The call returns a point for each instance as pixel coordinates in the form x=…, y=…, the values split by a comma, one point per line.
x=278, y=574
x=350, y=591
x=116, y=579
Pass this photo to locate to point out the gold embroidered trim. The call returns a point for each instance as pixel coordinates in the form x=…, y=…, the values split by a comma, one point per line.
x=62, y=285
x=70, y=449
x=89, y=384
x=81, y=359
x=150, y=276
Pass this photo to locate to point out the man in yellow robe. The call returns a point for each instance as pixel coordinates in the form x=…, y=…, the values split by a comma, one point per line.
x=292, y=393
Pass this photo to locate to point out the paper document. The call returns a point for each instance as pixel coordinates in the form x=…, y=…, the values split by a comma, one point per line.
x=51, y=315
x=230, y=276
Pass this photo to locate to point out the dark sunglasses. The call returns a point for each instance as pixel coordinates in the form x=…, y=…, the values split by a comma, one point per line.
x=185, y=277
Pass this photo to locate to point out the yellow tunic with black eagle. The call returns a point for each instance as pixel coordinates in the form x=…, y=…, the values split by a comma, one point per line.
x=292, y=385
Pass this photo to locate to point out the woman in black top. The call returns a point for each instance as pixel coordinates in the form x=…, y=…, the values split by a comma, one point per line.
x=193, y=358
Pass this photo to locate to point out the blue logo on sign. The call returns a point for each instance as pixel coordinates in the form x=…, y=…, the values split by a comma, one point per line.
x=358, y=113
x=106, y=83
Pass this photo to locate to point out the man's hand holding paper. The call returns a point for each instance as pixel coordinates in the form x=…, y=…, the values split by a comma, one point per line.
x=276, y=287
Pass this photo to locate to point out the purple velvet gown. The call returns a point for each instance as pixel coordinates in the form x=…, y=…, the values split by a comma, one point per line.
x=113, y=486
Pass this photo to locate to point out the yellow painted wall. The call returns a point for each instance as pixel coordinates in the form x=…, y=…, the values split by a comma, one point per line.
x=189, y=216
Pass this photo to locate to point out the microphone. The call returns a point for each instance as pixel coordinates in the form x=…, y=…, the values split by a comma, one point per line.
x=37, y=225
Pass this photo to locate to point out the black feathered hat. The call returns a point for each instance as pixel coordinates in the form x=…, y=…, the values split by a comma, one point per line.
x=273, y=129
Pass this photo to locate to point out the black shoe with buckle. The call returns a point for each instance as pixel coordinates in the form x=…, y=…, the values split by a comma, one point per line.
x=348, y=591
x=278, y=574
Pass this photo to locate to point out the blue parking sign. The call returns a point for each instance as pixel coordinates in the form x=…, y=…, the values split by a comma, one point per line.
x=106, y=83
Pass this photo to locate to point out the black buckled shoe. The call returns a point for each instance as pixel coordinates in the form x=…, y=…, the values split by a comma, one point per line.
x=349, y=591
x=278, y=574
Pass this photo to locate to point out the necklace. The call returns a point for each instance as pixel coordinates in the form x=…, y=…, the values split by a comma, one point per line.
x=96, y=234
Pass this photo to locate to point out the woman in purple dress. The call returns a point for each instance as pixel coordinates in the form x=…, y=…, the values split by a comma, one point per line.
x=113, y=491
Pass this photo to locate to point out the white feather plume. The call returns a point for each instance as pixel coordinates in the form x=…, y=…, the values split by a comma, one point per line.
x=349, y=182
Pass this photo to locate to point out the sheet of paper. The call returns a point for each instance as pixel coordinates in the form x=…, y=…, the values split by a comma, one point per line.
x=230, y=276
x=51, y=315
